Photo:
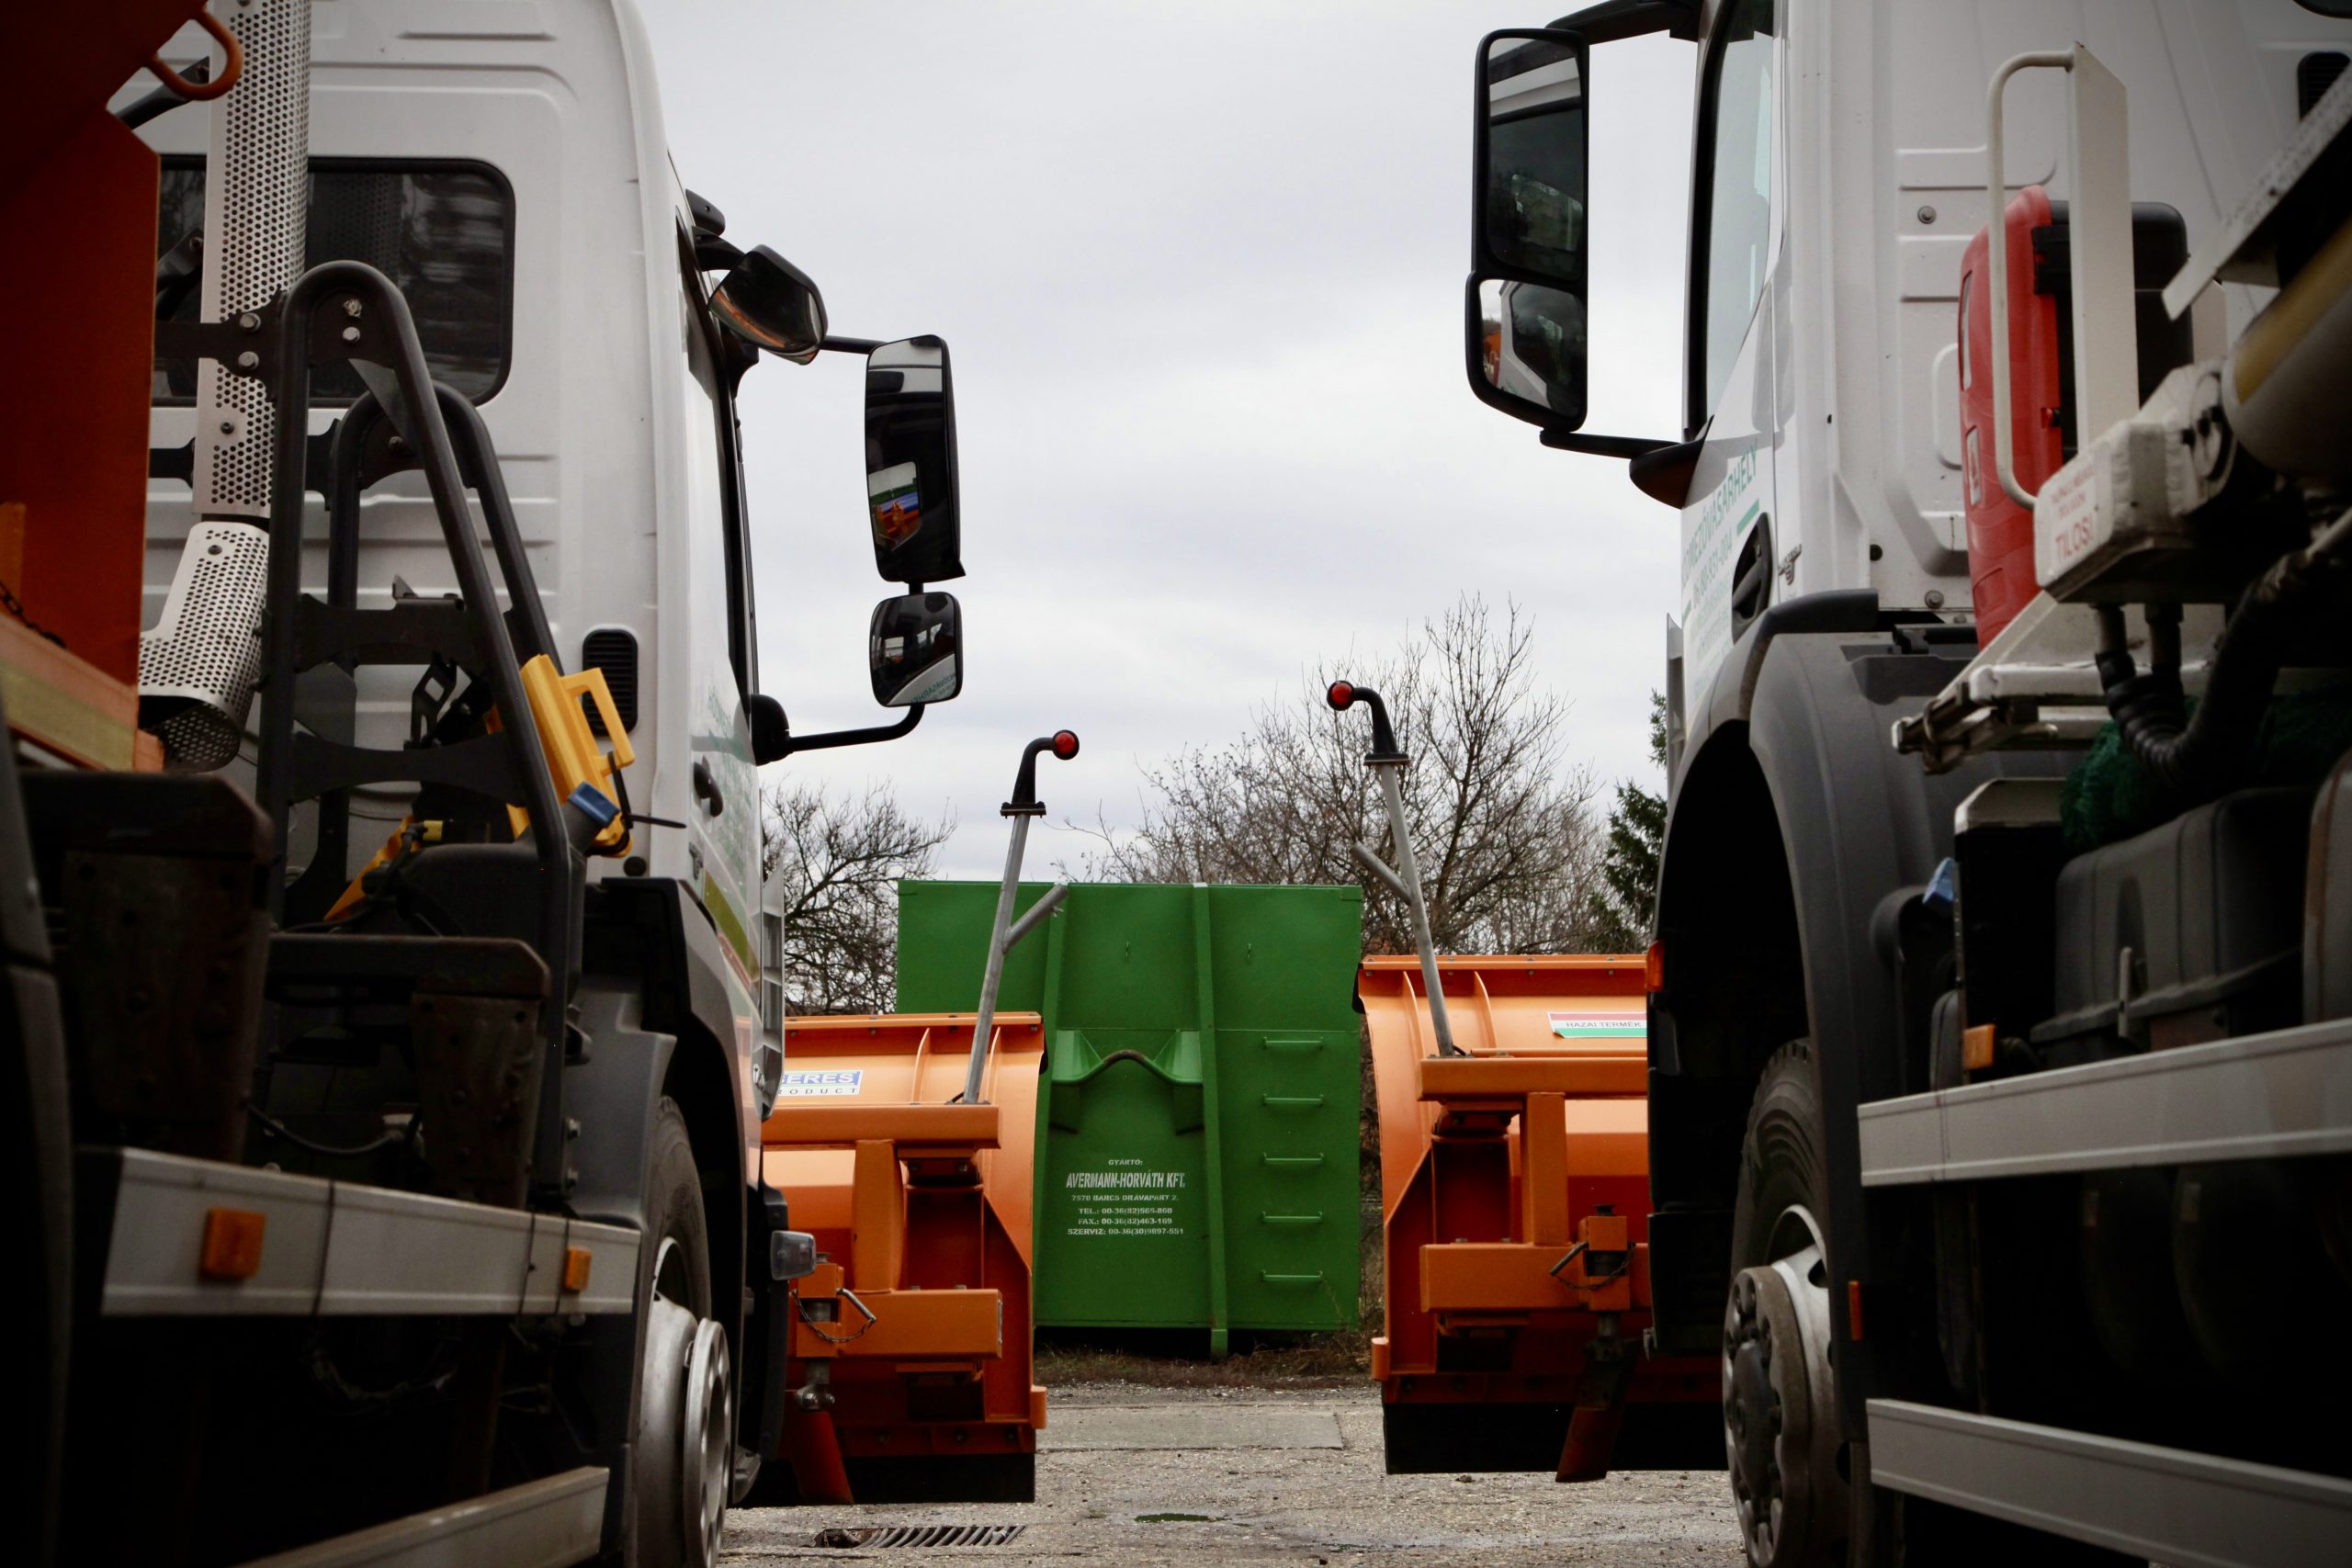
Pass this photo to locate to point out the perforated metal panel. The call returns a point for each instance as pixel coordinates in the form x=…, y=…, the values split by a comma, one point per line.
x=256, y=190
x=198, y=668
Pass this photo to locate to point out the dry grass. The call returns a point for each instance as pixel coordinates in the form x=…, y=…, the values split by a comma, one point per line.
x=1296, y=1361
x=1179, y=1359
x=1174, y=1358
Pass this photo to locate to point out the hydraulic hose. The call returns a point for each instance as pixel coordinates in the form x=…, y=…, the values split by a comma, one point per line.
x=2198, y=756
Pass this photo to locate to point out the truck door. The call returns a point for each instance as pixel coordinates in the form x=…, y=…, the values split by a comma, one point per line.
x=1731, y=542
x=723, y=822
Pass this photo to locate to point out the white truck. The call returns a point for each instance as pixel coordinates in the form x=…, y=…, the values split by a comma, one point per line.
x=2001, y=1080
x=408, y=1020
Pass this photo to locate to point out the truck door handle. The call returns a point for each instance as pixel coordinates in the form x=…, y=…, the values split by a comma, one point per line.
x=706, y=787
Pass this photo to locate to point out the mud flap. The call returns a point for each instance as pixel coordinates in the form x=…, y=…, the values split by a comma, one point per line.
x=814, y=1452
x=1600, y=1410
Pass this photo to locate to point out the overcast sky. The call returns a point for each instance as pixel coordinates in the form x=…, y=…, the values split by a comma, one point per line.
x=1200, y=268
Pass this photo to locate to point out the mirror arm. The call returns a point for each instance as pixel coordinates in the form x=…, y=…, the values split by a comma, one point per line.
x=1613, y=20
x=1601, y=445
x=715, y=255
x=850, y=345
x=1666, y=473
x=852, y=736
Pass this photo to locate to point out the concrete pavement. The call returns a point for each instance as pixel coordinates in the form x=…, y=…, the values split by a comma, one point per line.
x=1153, y=1476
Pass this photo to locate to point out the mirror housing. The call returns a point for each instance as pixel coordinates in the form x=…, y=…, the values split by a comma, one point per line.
x=910, y=461
x=771, y=304
x=1525, y=303
x=771, y=731
x=915, y=649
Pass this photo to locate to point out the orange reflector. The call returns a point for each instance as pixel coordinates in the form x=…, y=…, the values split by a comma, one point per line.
x=1976, y=1047
x=231, y=1244
x=1853, y=1309
x=1654, y=968
x=575, y=1268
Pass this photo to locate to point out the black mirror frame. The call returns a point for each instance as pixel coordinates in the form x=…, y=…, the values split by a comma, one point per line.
x=1488, y=267
x=955, y=609
x=952, y=566
x=1474, y=345
x=1560, y=433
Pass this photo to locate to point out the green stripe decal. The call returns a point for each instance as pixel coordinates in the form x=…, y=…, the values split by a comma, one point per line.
x=1599, y=1026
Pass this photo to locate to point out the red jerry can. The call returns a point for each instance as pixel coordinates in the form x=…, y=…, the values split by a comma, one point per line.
x=2000, y=532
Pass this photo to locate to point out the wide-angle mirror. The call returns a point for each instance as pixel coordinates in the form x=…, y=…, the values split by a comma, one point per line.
x=1530, y=345
x=771, y=304
x=910, y=461
x=915, y=649
x=1526, y=297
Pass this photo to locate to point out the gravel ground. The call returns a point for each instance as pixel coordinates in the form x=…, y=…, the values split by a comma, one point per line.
x=1267, y=1476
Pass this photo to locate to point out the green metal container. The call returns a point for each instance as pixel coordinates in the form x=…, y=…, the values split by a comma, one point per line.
x=1197, y=1131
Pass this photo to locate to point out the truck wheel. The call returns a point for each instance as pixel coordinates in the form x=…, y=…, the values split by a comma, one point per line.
x=685, y=1402
x=1780, y=1423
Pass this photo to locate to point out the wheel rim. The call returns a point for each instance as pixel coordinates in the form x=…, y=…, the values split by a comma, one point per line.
x=685, y=1423
x=1780, y=1406
x=707, y=1468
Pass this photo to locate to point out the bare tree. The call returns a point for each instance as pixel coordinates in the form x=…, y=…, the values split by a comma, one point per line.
x=834, y=865
x=1510, y=851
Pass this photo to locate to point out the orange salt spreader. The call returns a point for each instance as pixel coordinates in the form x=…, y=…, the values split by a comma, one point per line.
x=1514, y=1199
x=905, y=1145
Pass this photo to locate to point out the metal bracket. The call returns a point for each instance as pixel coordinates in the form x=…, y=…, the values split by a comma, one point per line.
x=2106, y=367
x=843, y=1294
x=478, y=1062
x=246, y=345
x=1036, y=914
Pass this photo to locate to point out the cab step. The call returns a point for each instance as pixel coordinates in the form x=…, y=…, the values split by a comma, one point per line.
x=550, y=1523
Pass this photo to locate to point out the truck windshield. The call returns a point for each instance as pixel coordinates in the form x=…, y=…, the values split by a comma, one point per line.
x=443, y=231
x=1738, y=111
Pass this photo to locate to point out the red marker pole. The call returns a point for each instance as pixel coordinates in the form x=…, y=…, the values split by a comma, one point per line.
x=1025, y=805
x=1388, y=761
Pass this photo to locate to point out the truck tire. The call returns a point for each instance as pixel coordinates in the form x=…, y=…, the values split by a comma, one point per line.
x=1781, y=1432
x=685, y=1413
x=1787, y=1450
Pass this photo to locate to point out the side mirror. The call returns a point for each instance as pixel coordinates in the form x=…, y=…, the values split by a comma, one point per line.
x=911, y=462
x=1525, y=301
x=771, y=304
x=916, y=649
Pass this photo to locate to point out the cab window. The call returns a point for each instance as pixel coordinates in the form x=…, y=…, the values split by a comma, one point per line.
x=1735, y=186
x=714, y=460
x=442, y=230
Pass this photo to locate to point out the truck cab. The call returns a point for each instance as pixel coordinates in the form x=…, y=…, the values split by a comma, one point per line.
x=1824, y=491
x=587, y=320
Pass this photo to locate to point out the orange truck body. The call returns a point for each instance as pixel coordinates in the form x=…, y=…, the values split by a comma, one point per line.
x=921, y=1212
x=1515, y=1197
x=77, y=200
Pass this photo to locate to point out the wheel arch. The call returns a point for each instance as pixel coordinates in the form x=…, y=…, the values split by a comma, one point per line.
x=1795, y=833
x=1734, y=989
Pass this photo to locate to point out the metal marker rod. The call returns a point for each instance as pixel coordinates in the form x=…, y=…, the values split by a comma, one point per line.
x=1408, y=869
x=999, y=939
x=1378, y=870
x=1035, y=915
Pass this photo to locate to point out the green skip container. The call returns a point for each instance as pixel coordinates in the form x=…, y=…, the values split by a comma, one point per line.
x=1197, y=1124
